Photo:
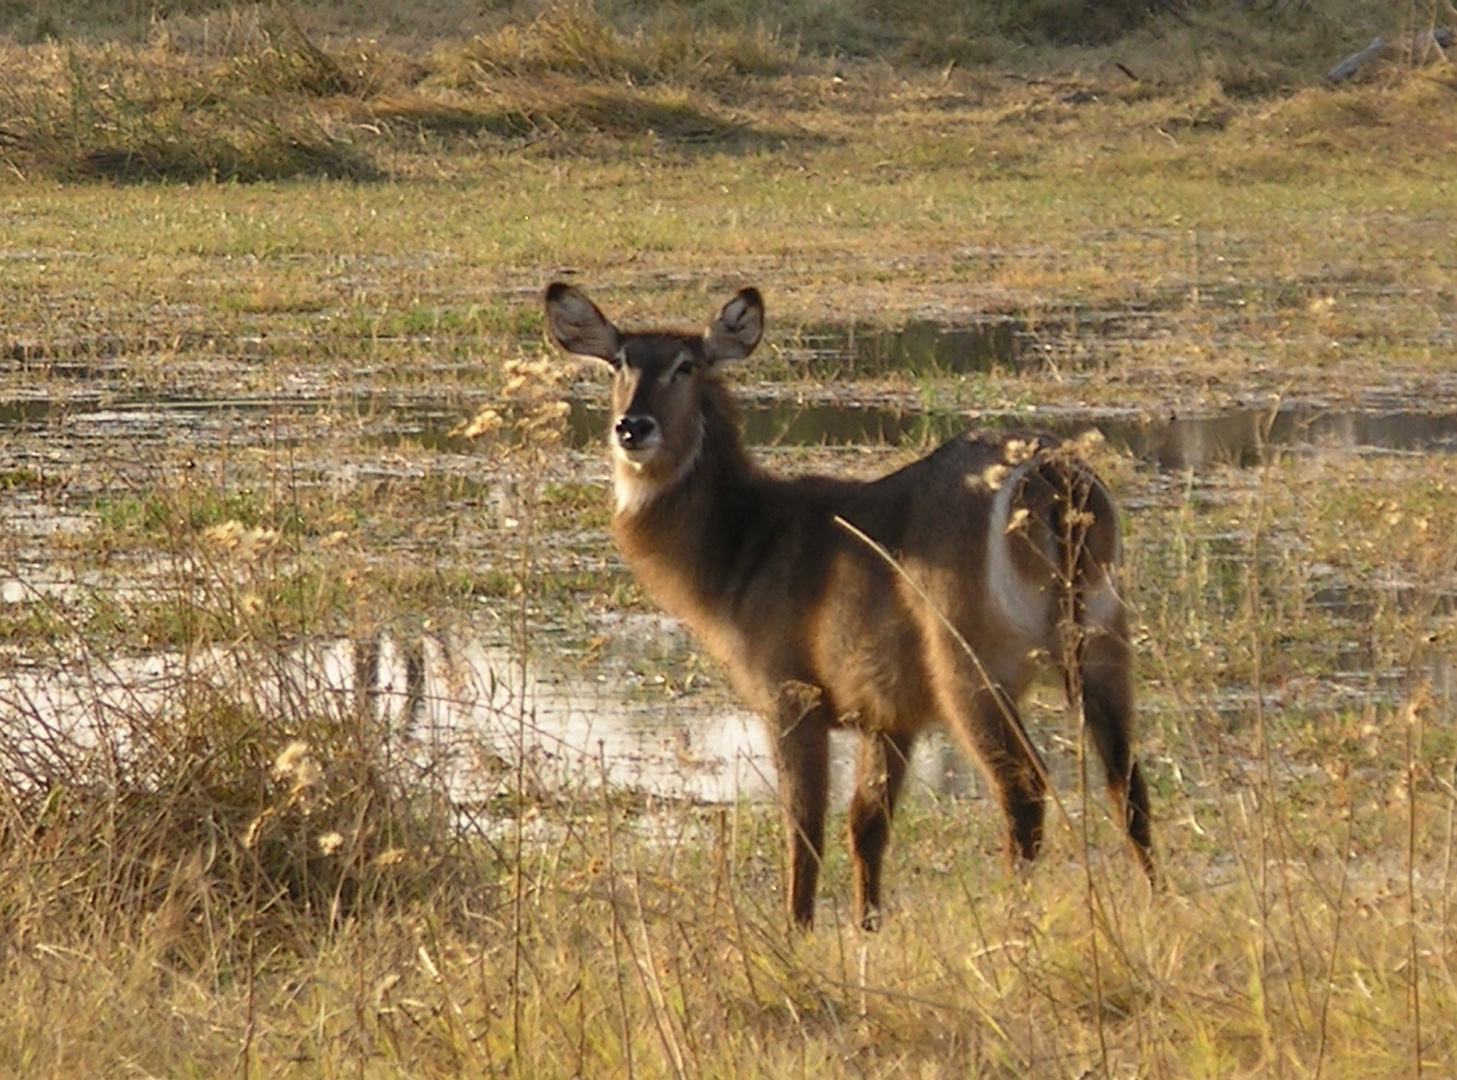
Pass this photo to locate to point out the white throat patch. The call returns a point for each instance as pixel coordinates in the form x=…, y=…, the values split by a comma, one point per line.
x=636, y=488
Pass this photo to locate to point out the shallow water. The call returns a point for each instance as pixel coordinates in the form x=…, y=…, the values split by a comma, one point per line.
x=936, y=347
x=467, y=706
x=1238, y=437
x=571, y=722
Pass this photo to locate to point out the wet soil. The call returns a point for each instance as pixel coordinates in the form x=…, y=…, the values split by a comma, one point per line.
x=664, y=732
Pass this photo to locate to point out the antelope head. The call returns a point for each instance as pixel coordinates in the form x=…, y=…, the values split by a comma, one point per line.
x=658, y=384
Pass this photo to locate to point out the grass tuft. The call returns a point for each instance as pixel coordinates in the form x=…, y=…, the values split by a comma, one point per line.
x=574, y=38
x=112, y=114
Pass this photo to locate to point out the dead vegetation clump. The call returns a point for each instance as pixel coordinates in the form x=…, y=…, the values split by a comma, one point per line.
x=573, y=38
x=244, y=93
x=227, y=794
x=267, y=102
x=116, y=112
x=200, y=766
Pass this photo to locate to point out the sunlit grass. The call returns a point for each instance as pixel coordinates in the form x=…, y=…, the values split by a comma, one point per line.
x=218, y=855
x=207, y=909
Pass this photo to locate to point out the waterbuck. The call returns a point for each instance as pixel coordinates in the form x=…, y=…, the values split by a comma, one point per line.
x=884, y=606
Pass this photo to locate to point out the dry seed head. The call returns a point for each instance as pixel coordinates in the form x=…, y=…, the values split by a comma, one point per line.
x=485, y=422
x=255, y=828
x=288, y=759
x=1016, y=451
x=1017, y=519
x=235, y=536
x=330, y=842
x=296, y=762
x=532, y=378
x=991, y=478
x=544, y=422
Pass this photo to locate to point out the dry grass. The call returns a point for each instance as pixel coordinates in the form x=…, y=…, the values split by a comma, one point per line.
x=220, y=855
x=197, y=925
x=250, y=93
x=219, y=859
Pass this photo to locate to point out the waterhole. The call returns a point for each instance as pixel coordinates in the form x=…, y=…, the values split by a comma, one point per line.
x=937, y=347
x=623, y=715
x=1243, y=437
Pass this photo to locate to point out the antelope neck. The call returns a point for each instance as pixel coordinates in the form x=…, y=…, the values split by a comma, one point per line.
x=689, y=517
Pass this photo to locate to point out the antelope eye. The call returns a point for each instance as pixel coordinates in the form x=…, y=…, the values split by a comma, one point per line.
x=685, y=367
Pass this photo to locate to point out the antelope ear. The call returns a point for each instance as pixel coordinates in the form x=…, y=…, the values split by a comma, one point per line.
x=575, y=323
x=737, y=329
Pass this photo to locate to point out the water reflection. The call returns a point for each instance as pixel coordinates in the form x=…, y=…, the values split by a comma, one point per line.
x=921, y=346
x=1249, y=437
x=1239, y=437
x=569, y=727
x=471, y=709
x=938, y=347
x=478, y=720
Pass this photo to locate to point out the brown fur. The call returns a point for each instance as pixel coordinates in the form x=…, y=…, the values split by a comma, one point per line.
x=1006, y=550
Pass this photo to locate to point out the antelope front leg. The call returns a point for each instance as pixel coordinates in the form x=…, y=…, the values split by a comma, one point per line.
x=801, y=737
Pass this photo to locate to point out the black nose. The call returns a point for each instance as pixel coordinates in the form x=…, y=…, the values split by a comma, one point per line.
x=634, y=430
